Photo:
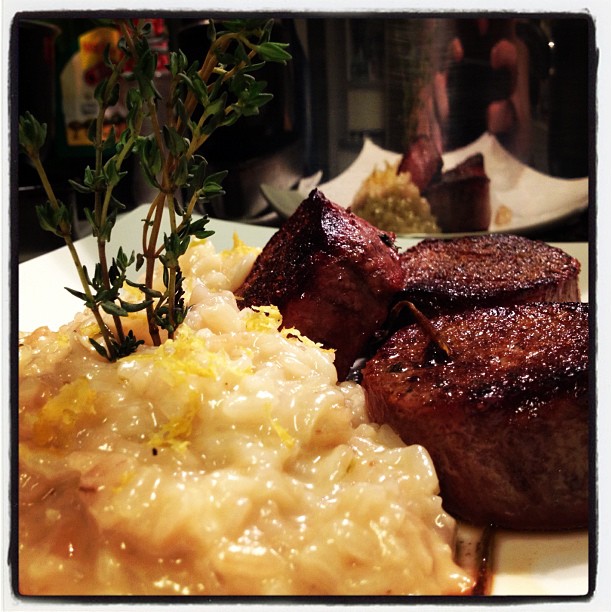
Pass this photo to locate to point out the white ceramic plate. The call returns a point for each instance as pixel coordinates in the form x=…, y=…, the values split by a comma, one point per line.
x=524, y=564
x=532, y=199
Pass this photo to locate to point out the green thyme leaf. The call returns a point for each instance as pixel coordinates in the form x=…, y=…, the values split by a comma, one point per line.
x=32, y=134
x=177, y=145
x=129, y=307
x=113, y=309
x=100, y=349
x=78, y=294
x=273, y=52
x=54, y=219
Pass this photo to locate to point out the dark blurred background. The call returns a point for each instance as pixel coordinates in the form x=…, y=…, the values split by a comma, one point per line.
x=350, y=78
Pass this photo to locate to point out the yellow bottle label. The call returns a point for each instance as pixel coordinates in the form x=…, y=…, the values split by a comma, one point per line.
x=79, y=80
x=92, y=45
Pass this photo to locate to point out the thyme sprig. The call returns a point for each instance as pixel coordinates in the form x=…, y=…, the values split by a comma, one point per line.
x=202, y=98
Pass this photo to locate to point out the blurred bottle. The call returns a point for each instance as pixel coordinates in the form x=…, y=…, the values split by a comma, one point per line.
x=78, y=69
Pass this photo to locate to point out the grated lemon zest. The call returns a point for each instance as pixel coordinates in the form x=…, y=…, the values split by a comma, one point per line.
x=90, y=330
x=263, y=318
x=292, y=332
x=60, y=415
x=175, y=433
x=269, y=318
x=285, y=437
x=194, y=242
x=239, y=247
x=63, y=340
x=188, y=355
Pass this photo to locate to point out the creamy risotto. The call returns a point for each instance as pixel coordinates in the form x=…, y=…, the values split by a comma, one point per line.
x=391, y=201
x=226, y=461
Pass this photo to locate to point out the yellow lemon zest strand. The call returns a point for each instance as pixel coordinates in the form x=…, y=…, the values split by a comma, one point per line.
x=188, y=355
x=63, y=340
x=263, y=318
x=239, y=247
x=90, y=329
x=184, y=357
x=269, y=318
x=285, y=437
x=292, y=332
x=60, y=416
x=174, y=434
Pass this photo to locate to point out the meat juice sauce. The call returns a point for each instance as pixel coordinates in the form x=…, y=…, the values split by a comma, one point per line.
x=474, y=552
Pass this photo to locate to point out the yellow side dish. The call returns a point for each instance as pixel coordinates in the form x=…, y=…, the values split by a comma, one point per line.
x=393, y=203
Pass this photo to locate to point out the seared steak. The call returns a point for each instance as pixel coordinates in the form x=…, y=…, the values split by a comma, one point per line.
x=460, y=200
x=453, y=275
x=504, y=417
x=423, y=161
x=331, y=274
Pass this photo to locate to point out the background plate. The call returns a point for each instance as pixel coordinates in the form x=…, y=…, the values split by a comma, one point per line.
x=534, y=200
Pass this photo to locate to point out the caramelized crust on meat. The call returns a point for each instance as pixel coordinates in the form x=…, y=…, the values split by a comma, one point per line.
x=505, y=418
x=331, y=274
x=495, y=269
